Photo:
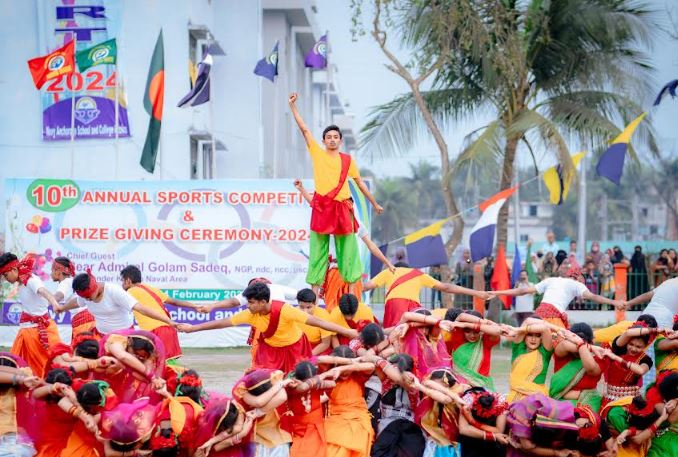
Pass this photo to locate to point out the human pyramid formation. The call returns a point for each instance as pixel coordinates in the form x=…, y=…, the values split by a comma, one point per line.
x=334, y=381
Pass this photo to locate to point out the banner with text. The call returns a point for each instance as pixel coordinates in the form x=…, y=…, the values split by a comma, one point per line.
x=88, y=99
x=198, y=240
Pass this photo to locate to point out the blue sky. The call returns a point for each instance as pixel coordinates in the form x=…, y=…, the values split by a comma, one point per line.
x=365, y=82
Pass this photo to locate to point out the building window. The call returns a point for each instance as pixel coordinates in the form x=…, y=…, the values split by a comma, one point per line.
x=644, y=212
x=198, y=42
x=202, y=158
x=523, y=238
x=532, y=211
x=654, y=230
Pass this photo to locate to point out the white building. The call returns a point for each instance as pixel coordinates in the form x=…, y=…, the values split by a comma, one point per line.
x=247, y=120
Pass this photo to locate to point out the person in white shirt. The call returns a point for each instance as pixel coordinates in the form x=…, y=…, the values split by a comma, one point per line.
x=663, y=302
x=550, y=245
x=37, y=330
x=524, y=303
x=558, y=293
x=63, y=271
x=110, y=305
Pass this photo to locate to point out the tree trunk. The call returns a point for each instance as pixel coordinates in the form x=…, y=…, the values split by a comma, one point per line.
x=506, y=181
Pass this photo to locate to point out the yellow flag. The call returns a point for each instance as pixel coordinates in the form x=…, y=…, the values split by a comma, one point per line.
x=557, y=184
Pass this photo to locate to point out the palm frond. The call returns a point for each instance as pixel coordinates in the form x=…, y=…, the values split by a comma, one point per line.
x=395, y=127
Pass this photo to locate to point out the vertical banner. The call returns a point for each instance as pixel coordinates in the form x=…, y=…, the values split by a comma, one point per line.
x=89, y=22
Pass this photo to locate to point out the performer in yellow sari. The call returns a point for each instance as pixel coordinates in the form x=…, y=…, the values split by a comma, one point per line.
x=531, y=354
x=628, y=418
x=666, y=350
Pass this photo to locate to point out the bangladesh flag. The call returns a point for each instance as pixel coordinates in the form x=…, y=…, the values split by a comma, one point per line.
x=102, y=53
x=153, y=98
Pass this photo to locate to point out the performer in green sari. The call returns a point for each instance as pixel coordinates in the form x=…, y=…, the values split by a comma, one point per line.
x=531, y=354
x=472, y=341
x=577, y=368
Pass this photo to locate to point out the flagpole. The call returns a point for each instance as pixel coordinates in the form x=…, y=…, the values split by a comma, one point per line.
x=516, y=215
x=581, y=229
x=213, y=164
x=327, y=75
x=117, y=114
x=75, y=44
x=276, y=142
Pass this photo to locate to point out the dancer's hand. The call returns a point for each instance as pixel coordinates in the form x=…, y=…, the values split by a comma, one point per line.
x=107, y=362
x=621, y=438
x=378, y=208
x=90, y=423
x=390, y=267
x=293, y=98
x=185, y=328
x=298, y=184
x=205, y=309
x=621, y=305
x=501, y=438
x=31, y=382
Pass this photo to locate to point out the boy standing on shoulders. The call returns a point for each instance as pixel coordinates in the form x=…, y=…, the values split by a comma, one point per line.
x=332, y=205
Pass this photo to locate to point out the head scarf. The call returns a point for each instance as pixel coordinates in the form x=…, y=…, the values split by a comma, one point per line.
x=92, y=288
x=25, y=267
x=68, y=270
x=128, y=423
x=592, y=431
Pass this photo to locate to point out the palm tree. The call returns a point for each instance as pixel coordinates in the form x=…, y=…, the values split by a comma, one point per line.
x=423, y=180
x=397, y=200
x=549, y=70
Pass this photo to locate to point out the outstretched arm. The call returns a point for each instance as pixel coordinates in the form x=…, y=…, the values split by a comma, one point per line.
x=455, y=289
x=211, y=325
x=153, y=314
x=375, y=251
x=516, y=292
x=297, y=117
x=368, y=195
x=602, y=300
x=181, y=303
x=44, y=293
x=643, y=298
x=331, y=327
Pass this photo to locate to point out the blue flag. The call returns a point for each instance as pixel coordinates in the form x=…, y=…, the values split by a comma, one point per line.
x=375, y=264
x=611, y=163
x=201, y=89
x=517, y=266
x=268, y=66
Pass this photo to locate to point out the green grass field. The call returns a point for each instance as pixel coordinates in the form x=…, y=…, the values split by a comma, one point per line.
x=221, y=368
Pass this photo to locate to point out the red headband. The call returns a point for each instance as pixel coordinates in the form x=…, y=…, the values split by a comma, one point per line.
x=69, y=270
x=25, y=267
x=675, y=318
x=639, y=324
x=91, y=289
x=190, y=380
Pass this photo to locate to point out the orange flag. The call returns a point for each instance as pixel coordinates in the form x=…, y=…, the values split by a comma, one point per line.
x=500, y=276
x=59, y=62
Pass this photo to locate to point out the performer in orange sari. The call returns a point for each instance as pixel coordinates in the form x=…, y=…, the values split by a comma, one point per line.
x=348, y=428
x=37, y=330
x=63, y=271
x=307, y=421
x=93, y=398
x=282, y=342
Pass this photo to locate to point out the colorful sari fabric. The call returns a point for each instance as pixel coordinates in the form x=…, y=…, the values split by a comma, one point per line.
x=129, y=422
x=126, y=386
x=537, y=412
x=208, y=424
x=307, y=423
x=528, y=371
x=621, y=382
x=552, y=315
x=18, y=423
x=666, y=360
x=439, y=421
x=32, y=343
x=183, y=414
x=471, y=361
x=616, y=416
x=335, y=286
x=426, y=354
x=570, y=375
x=56, y=427
x=268, y=431
x=82, y=322
x=665, y=444
x=348, y=428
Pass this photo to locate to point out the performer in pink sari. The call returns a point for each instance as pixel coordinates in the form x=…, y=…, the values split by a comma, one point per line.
x=226, y=419
x=424, y=343
x=128, y=426
x=143, y=356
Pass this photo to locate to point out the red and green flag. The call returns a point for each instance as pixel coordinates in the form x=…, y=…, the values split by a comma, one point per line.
x=153, y=101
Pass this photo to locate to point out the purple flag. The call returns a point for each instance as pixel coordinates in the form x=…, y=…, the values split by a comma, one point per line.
x=517, y=266
x=201, y=89
x=375, y=264
x=317, y=56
